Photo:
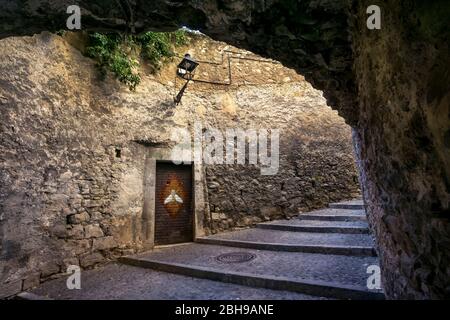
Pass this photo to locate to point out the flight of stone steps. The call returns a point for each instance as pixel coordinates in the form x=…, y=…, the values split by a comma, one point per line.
x=324, y=253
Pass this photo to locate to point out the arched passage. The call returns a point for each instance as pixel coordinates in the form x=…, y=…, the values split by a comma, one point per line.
x=391, y=86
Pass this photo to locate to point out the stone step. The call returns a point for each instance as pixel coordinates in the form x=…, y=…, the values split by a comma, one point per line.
x=297, y=238
x=324, y=217
x=341, y=250
x=331, y=214
x=124, y=282
x=312, y=227
x=332, y=276
x=351, y=205
x=266, y=239
x=320, y=223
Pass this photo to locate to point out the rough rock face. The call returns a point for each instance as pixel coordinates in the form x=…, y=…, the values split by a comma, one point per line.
x=391, y=85
x=403, y=140
x=311, y=36
x=73, y=149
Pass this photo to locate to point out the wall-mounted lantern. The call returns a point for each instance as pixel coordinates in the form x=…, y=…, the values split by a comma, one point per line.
x=186, y=67
x=185, y=70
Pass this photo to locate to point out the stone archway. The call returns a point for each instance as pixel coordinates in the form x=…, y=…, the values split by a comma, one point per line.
x=391, y=86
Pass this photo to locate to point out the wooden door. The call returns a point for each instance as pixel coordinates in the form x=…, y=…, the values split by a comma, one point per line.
x=173, y=208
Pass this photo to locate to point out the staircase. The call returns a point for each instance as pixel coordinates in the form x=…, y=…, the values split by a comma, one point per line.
x=323, y=253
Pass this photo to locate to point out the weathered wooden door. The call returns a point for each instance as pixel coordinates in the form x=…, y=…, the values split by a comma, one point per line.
x=173, y=208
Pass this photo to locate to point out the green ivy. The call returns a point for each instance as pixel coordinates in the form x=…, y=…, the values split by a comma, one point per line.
x=120, y=54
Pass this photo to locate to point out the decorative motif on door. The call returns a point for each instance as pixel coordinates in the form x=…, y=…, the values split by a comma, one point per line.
x=172, y=195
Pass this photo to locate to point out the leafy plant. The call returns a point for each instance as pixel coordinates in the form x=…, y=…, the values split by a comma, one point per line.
x=120, y=54
x=158, y=47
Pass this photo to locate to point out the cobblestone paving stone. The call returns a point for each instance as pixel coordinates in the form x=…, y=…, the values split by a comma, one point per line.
x=347, y=270
x=116, y=282
x=299, y=238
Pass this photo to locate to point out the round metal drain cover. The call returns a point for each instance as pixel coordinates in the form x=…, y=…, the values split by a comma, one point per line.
x=236, y=257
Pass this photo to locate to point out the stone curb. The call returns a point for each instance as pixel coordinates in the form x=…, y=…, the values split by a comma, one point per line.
x=339, y=250
x=316, y=288
x=283, y=227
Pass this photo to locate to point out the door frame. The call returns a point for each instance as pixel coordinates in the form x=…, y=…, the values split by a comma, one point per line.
x=164, y=155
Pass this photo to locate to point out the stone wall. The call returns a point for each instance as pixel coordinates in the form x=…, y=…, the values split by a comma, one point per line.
x=403, y=143
x=73, y=150
x=316, y=160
